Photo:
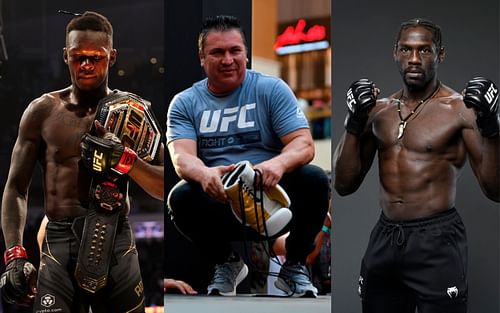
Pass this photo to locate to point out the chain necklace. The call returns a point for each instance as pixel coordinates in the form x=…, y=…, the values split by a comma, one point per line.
x=404, y=121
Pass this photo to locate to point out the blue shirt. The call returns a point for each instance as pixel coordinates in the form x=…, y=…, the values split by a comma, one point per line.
x=246, y=124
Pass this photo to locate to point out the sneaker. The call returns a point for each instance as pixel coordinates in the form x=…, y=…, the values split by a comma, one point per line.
x=268, y=214
x=226, y=277
x=295, y=281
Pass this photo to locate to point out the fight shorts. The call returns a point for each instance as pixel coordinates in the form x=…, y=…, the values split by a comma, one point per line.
x=418, y=263
x=58, y=290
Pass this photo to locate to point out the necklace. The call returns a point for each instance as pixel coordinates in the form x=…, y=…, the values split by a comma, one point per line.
x=404, y=121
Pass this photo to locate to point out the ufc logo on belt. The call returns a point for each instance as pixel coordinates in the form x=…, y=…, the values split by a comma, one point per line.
x=97, y=161
x=491, y=95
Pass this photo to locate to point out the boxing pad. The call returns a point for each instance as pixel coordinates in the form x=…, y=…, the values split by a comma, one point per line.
x=266, y=211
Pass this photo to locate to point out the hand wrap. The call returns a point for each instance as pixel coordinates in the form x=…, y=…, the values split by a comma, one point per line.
x=15, y=281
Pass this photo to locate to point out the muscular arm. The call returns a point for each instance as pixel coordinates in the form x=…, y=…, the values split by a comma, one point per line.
x=23, y=160
x=352, y=159
x=150, y=177
x=189, y=167
x=298, y=150
x=484, y=158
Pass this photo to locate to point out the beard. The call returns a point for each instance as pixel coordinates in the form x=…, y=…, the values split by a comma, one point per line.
x=418, y=82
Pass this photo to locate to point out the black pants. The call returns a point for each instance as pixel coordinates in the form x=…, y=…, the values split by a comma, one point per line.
x=416, y=264
x=57, y=287
x=211, y=225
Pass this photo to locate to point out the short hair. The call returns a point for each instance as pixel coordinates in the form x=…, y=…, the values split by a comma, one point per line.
x=431, y=26
x=219, y=23
x=91, y=21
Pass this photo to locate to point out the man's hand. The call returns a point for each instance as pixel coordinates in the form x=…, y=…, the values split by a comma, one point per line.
x=179, y=285
x=212, y=183
x=271, y=172
x=105, y=152
x=481, y=94
x=18, y=282
x=361, y=97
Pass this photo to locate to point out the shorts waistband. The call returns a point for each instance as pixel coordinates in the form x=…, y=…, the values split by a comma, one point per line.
x=78, y=221
x=441, y=217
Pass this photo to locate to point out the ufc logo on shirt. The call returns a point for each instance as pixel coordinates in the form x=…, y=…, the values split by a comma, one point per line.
x=219, y=120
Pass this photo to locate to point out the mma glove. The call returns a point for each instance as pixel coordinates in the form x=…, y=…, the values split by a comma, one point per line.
x=107, y=154
x=360, y=99
x=18, y=277
x=481, y=94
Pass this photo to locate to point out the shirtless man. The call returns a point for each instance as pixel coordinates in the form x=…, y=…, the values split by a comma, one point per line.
x=417, y=253
x=51, y=133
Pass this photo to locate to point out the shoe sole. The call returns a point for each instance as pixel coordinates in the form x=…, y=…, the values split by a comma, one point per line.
x=241, y=276
x=283, y=286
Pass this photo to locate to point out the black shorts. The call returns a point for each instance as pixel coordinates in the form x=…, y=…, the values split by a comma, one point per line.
x=420, y=263
x=57, y=287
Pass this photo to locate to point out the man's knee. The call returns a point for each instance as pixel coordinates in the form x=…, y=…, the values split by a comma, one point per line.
x=179, y=196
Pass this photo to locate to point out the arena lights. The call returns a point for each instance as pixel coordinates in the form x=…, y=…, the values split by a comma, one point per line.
x=148, y=229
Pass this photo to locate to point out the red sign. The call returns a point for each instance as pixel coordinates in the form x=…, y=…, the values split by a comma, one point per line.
x=295, y=35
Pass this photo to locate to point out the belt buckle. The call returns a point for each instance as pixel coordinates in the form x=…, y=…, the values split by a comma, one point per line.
x=108, y=196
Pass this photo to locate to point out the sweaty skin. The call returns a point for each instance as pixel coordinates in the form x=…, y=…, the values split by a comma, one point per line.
x=50, y=133
x=418, y=172
x=66, y=194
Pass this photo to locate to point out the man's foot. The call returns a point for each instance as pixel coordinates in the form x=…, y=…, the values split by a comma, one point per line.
x=295, y=281
x=227, y=277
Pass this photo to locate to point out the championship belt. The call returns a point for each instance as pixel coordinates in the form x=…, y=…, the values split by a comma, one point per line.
x=128, y=117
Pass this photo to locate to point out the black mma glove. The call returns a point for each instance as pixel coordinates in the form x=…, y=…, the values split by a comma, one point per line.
x=481, y=94
x=360, y=98
x=102, y=155
x=19, y=277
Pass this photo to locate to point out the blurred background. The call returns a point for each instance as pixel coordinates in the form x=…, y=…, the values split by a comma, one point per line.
x=32, y=37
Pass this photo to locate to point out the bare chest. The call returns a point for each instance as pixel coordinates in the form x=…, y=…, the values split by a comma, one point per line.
x=433, y=130
x=62, y=132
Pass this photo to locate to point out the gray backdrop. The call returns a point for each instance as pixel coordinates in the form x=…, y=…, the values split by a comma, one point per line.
x=363, y=36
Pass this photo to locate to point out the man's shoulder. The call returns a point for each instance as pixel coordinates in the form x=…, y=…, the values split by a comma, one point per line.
x=450, y=98
x=48, y=101
x=191, y=95
x=262, y=77
x=264, y=83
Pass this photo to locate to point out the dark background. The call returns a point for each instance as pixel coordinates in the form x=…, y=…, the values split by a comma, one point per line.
x=34, y=35
x=363, y=38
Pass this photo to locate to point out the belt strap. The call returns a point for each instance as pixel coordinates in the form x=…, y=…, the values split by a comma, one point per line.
x=96, y=245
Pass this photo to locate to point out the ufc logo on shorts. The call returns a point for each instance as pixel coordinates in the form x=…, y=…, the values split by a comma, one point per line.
x=219, y=120
x=452, y=292
x=97, y=161
x=491, y=95
x=350, y=100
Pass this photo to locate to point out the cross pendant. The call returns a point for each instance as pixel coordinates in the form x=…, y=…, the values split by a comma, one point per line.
x=401, y=129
